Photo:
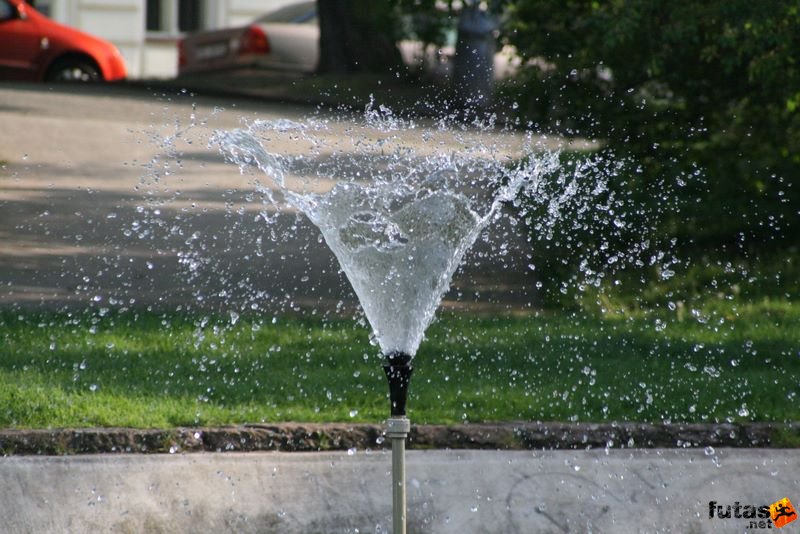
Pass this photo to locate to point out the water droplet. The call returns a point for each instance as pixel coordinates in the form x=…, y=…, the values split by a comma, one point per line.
x=711, y=371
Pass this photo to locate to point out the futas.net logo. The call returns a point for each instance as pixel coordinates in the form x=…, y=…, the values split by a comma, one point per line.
x=775, y=515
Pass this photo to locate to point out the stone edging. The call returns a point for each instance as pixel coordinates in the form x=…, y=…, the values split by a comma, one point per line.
x=299, y=437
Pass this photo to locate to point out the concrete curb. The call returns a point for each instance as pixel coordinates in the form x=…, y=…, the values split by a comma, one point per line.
x=460, y=492
x=298, y=437
x=204, y=89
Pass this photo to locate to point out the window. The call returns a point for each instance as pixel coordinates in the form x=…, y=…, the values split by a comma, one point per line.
x=6, y=11
x=155, y=16
x=175, y=16
x=190, y=15
x=42, y=6
x=303, y=13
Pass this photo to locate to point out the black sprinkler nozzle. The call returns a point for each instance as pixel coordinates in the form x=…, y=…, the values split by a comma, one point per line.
x=398, y=371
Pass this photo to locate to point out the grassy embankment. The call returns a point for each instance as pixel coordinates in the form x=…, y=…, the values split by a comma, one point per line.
x=736, y=362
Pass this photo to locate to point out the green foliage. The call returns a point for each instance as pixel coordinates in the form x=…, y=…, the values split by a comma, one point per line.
x=426, y=21
x=684, y=87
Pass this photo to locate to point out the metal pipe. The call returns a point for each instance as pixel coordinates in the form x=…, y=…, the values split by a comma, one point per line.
x=397, y=429
x=398, y=371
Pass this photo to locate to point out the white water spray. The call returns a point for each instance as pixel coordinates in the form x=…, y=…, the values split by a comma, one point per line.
x=399, y=226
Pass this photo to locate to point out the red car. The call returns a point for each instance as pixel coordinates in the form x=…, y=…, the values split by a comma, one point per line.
x=35, y=48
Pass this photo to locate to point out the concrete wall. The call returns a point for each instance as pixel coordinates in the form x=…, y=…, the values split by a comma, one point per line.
x=656, y=490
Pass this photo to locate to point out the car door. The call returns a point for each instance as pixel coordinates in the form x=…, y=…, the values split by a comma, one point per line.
x=20, y=43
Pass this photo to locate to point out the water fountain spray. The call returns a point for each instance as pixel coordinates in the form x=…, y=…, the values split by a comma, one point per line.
x=399, y=229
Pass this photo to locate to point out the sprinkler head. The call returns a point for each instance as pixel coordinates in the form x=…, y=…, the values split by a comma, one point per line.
x=398, y=371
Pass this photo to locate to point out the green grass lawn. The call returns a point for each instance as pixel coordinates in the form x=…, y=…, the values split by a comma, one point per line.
x=143, y=369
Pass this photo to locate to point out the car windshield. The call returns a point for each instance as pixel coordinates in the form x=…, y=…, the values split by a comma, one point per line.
x=6, y=10
x=304, y=12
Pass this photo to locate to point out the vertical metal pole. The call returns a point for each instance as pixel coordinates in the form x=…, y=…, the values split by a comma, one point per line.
x=397, y=429
x=398, y=370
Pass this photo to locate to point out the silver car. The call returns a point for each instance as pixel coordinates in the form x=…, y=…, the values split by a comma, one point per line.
x=286, y=39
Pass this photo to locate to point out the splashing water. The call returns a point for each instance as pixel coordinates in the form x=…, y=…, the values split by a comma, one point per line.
x=399, y=224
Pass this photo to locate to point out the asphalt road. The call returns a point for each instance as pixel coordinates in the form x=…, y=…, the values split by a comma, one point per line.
x=110, y=196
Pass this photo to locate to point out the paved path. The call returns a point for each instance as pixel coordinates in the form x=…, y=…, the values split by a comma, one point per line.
x=83, y=219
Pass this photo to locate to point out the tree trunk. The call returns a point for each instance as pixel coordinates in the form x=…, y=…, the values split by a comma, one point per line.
x=357, y=36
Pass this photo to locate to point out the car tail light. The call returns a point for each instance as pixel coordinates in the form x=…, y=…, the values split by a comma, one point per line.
x=254, y=41
x=181, y=54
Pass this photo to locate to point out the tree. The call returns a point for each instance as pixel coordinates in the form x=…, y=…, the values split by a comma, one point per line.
x=358, y=36
x=713, y=83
